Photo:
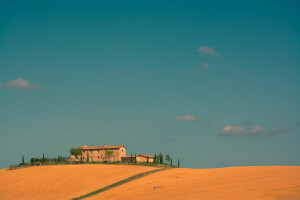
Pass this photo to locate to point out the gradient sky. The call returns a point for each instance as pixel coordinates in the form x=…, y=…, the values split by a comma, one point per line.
x=213, y=83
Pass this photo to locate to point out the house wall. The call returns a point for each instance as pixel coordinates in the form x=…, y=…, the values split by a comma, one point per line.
x=99, y=155
x=143, y=159
x=138, y=159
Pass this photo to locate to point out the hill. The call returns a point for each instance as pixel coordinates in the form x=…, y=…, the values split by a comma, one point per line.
x=61, y=181
x=267, y=182
x=70, y=181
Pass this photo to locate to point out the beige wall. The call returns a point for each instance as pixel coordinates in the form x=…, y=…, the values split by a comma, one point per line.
x=99, y=155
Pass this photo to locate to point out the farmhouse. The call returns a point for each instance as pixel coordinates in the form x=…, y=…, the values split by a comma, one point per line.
x=97, y=153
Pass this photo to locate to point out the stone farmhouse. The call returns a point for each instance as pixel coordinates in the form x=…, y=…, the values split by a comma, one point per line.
x=97, y=153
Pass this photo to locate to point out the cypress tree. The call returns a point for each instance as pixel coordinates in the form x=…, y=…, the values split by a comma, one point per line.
x=81, y=158
x=58, y=159
x=178, y=163
x=154, y=160
x=131, y=159
x=147, y=159
x=88, y=157
x=135, y=158
x=161, y=158
x=22, y=160
x=171, y=161
x=43, y=158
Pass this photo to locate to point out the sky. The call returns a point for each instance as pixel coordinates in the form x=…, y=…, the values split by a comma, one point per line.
x=212, y=83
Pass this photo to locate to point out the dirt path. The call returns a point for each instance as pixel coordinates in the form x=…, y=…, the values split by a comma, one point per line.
x=132, y=178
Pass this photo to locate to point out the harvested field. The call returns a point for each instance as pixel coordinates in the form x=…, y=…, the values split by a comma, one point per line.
x=268, y=182
x=61, y=181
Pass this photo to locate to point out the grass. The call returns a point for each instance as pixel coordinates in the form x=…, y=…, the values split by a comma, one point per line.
x=120, y=183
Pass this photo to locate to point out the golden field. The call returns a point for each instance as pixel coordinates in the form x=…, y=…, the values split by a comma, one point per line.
x=61, y=181
x=70, y=181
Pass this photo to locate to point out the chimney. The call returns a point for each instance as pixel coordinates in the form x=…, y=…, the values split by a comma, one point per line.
x=104, y=145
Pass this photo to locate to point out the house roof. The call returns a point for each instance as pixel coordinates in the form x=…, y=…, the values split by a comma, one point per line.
x=140, y=155
x=144, y=155
x=102, y=147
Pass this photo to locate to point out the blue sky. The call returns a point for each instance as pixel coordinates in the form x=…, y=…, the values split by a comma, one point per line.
x=215, y=84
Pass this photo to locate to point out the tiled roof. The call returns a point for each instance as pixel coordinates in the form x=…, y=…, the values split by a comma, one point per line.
x=144, y=155
x=102, y=147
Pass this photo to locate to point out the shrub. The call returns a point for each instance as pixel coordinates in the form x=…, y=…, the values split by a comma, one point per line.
x=108, y=153
x=33, y=160
x=76, y=151
x=168, y=158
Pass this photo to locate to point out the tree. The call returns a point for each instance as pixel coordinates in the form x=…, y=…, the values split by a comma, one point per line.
x=147, y=159
x=22, y=160
x=135, y=158
x=81, y=158
x=131, y=158
x=108, y=153
x=161, y=158
x=43, y=158
x=58, y=158
x=88, y=157
x=168, y=158
x=171, y=161
x=154, y=160
x=178, y=163
x=76, y=151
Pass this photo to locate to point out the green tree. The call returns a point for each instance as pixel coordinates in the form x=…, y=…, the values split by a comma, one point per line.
x=168, y=157
x=58, y=158
x=76, y=151
x=154, y=160
x=147, y=159
x=81, y=158
x=161, y=158
x=171, y=162
x=23, y=160
x=135, y=158
x=178, y=163
x=88, y=157
x=131, y=158
x=108, y=153
x=43, y=158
